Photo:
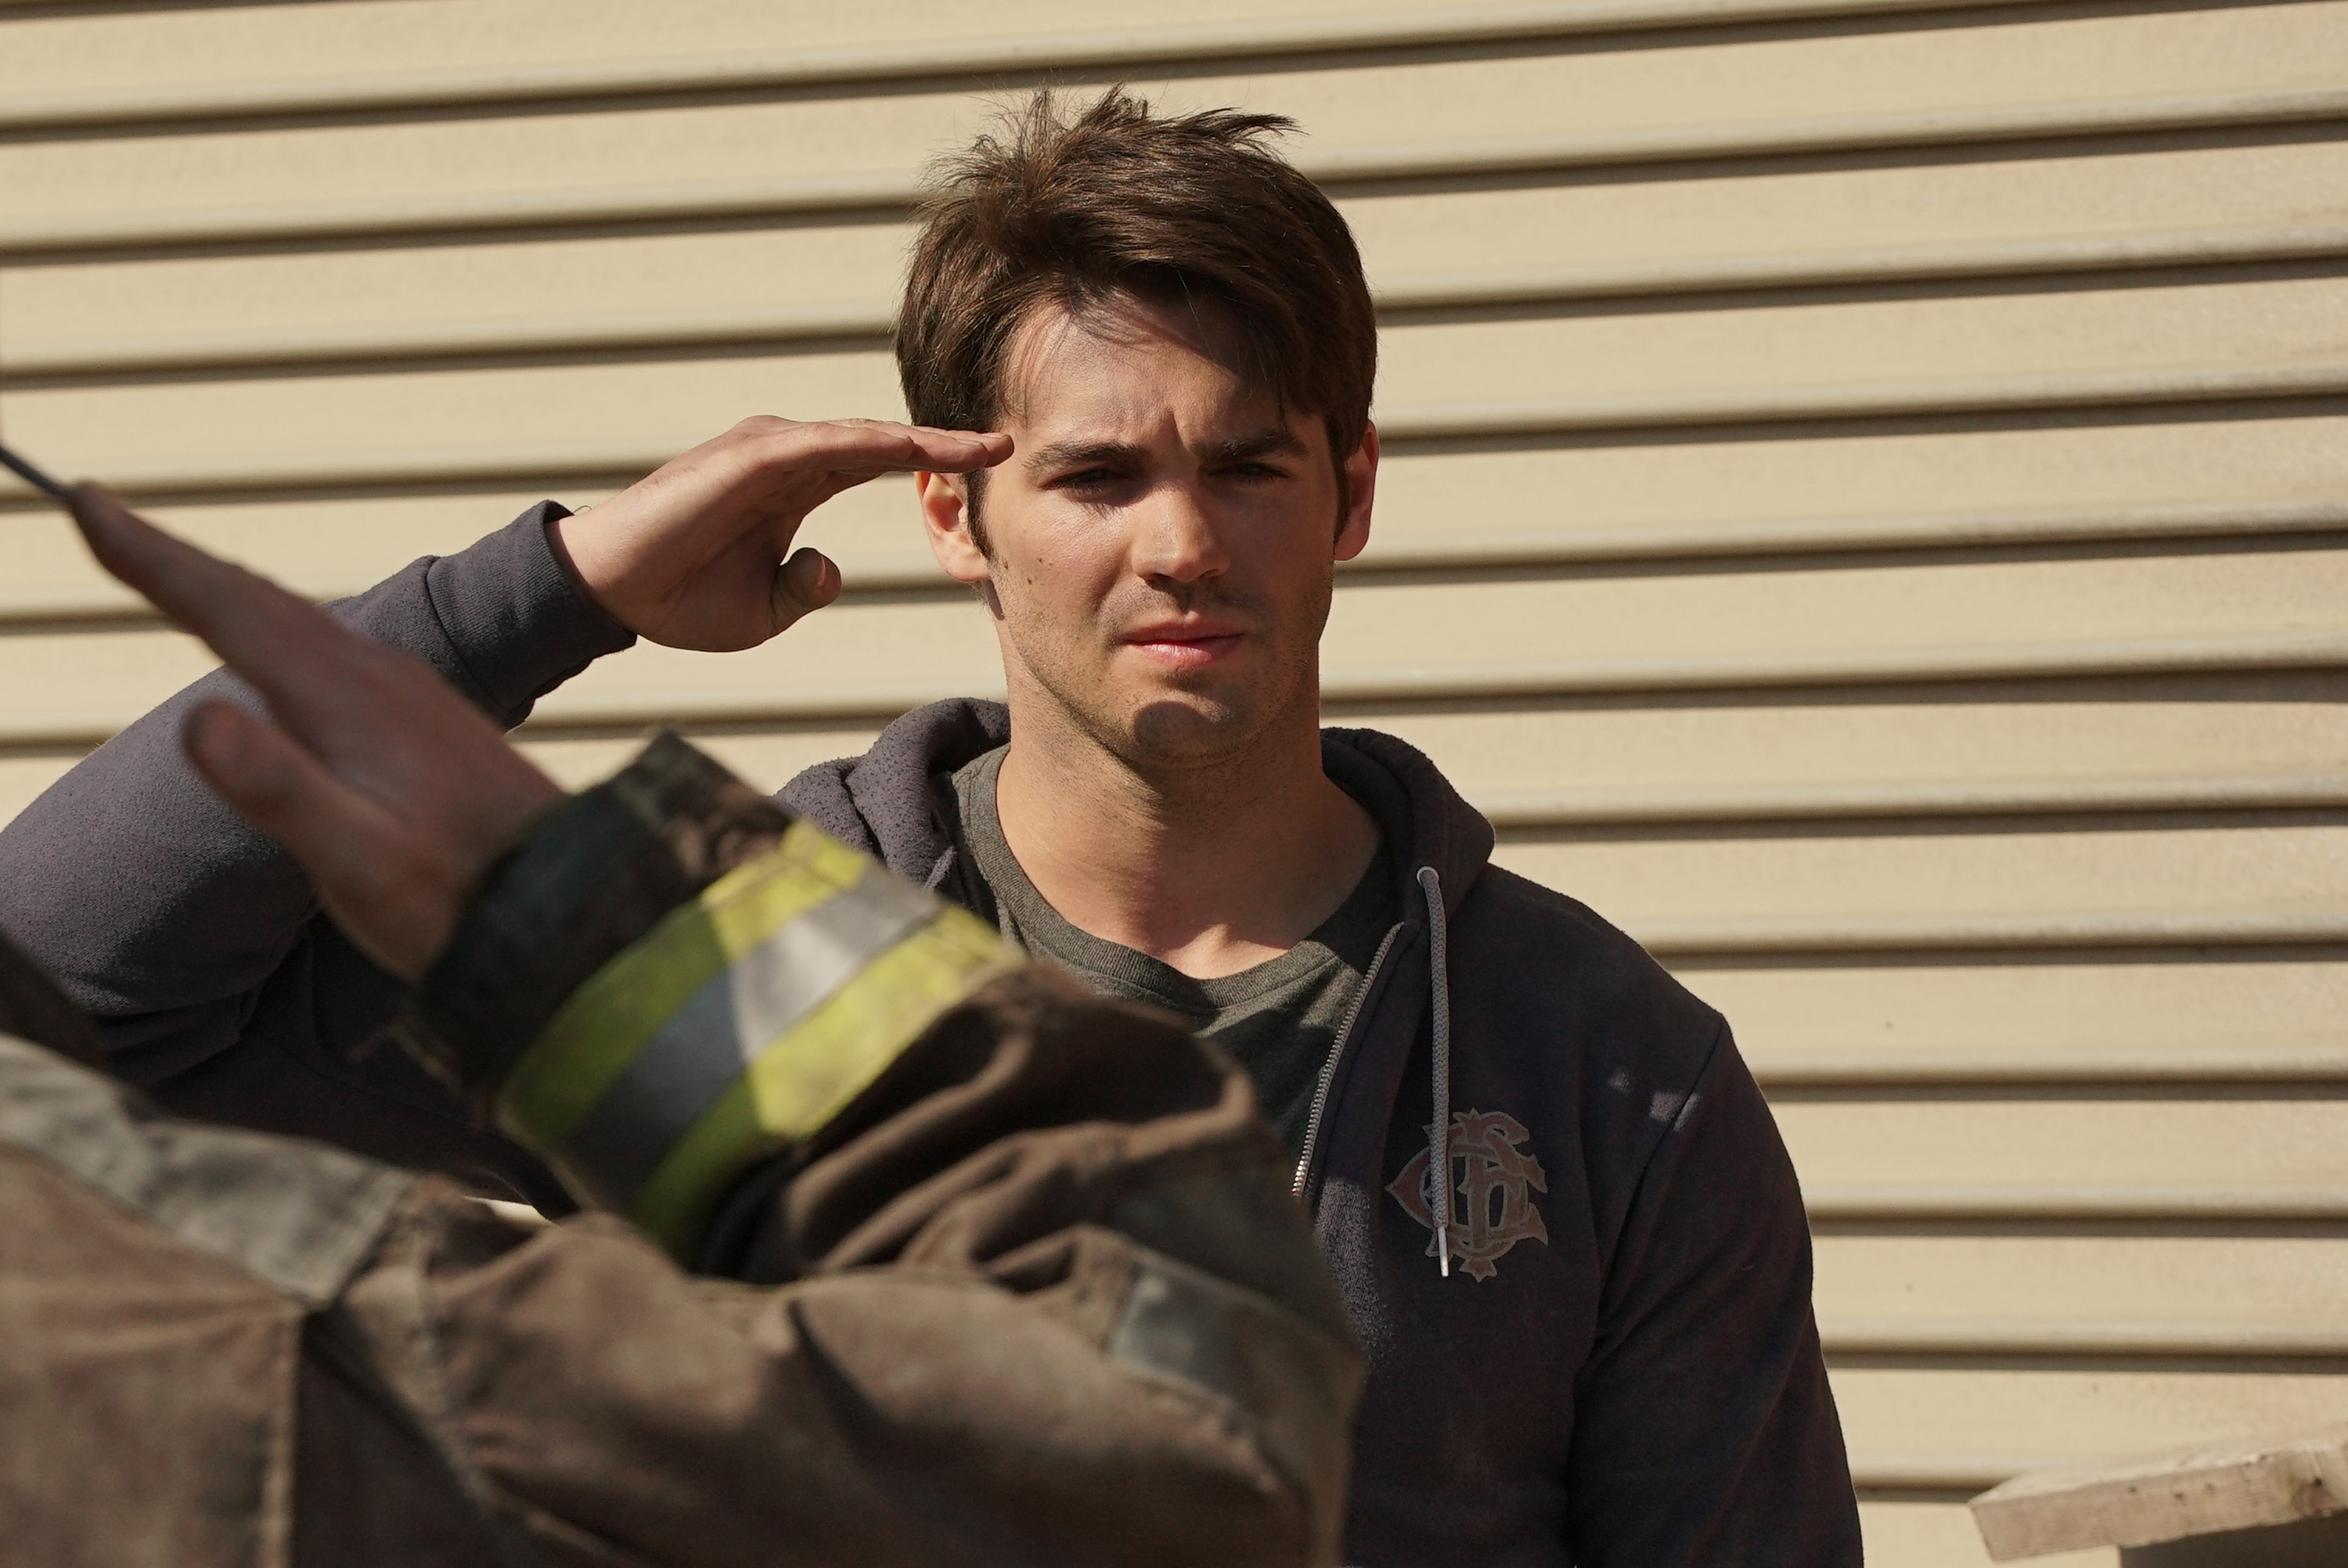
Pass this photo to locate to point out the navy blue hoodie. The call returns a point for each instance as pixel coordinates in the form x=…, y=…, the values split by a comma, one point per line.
x=1609, y=1359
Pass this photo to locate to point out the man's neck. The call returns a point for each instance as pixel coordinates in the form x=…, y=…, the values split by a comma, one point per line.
x=1211, y=870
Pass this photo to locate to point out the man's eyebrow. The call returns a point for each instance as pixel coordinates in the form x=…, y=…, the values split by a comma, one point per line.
x=1080, y=455
x=1273, y=441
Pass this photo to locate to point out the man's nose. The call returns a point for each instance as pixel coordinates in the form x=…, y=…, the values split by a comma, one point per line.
x=1182, y=538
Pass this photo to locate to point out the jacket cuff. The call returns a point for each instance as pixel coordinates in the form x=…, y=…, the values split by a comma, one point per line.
x=515, y=618
x=739, y=1029
x=593, y=875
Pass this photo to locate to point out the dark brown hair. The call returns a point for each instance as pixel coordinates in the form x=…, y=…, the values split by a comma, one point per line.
x=1053, y=209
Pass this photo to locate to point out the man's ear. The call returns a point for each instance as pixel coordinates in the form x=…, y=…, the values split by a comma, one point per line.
x=945, y=517
x=1361, y=492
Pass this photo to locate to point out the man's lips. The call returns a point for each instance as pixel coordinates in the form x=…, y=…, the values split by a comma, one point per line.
x=1200, y=643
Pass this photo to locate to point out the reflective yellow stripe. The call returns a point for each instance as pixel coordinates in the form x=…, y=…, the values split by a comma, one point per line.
x=815, y=1070
x=629, y=1000
x=744, y=1021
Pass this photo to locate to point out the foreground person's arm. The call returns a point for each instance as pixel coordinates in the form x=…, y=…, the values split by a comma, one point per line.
x=1047, y=1298
x=197, y=944
x=1051, y=1299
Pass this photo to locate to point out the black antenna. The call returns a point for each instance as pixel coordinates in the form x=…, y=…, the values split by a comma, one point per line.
x=33, y=476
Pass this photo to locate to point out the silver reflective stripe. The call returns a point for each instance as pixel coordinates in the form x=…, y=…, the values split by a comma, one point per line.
x=702, y=1051
x=296, y=1216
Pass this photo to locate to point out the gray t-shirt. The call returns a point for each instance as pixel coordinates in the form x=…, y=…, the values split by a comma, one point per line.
x=1280, y=1019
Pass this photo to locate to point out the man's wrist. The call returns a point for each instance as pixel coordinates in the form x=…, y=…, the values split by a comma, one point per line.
x=561, y=541
x=515, y=623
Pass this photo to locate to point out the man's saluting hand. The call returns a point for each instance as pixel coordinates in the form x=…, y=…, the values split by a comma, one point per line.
x=688, y=556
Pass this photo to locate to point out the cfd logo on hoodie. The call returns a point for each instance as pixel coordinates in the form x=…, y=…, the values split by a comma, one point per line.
x=1492, y=1184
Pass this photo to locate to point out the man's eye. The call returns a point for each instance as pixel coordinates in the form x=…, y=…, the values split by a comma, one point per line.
x=1256, y=471
x=1084, y=480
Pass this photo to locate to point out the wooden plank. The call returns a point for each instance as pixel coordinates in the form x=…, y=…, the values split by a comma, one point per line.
x=1916, y=1532
x=2164, y=1017
x=1539, y=238
x=2054, y=1291
x=2281, y=1478
x=2205, y=1156
x=1758, y=88
x=1976, y=1425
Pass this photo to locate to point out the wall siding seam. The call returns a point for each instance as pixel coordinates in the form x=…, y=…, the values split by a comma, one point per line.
x=2051, y=1069
x=1421, y=160
x=1751, y=405
x=567, y=710
x=1995, y=1337
x=394, y=343
x=1659, y=542
x=1891, y=1202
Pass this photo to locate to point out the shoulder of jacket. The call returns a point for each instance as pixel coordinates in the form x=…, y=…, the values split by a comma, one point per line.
x=1556, y=952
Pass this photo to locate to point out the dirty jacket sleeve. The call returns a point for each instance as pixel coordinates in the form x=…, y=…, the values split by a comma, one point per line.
x=934, y=1258
x=196, y=944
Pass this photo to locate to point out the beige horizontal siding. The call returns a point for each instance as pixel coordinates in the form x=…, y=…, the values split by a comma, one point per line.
x=1546, y=239
x=1523, y=107
x=2045, y=1293
x=1866, y=510
x=1443, y=374
x=1924, y=1426
x=1809, y=621
x=2262, y=1153
x=2140, y=476
x=2147, y=1016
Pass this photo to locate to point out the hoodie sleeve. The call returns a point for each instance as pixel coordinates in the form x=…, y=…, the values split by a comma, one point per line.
x=1705, y=1433
x=195, y=942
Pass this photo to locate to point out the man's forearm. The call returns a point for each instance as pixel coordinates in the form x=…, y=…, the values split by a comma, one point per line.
x=161, y=911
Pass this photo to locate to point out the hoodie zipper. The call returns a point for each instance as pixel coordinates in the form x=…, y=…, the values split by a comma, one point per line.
x=1336, y=1053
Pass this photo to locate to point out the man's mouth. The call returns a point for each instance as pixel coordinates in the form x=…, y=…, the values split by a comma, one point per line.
x=1186, y=644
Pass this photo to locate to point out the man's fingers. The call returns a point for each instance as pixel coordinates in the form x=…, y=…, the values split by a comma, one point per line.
x=180, y=580
x=395, y=893
x=290, y=651
x=870, y=447
x=804, y=584
x=279, y=787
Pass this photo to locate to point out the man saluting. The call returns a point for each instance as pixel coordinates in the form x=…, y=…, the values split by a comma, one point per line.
x=1561, y=1219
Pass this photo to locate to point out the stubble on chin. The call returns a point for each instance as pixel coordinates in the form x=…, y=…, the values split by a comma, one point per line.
x=1164, y=727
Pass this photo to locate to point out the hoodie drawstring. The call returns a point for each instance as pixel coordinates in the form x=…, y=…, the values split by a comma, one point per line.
x=1438, y=1153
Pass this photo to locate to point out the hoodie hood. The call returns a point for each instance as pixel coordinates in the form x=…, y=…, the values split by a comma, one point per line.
x=1426, y=823
x=886, y=802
